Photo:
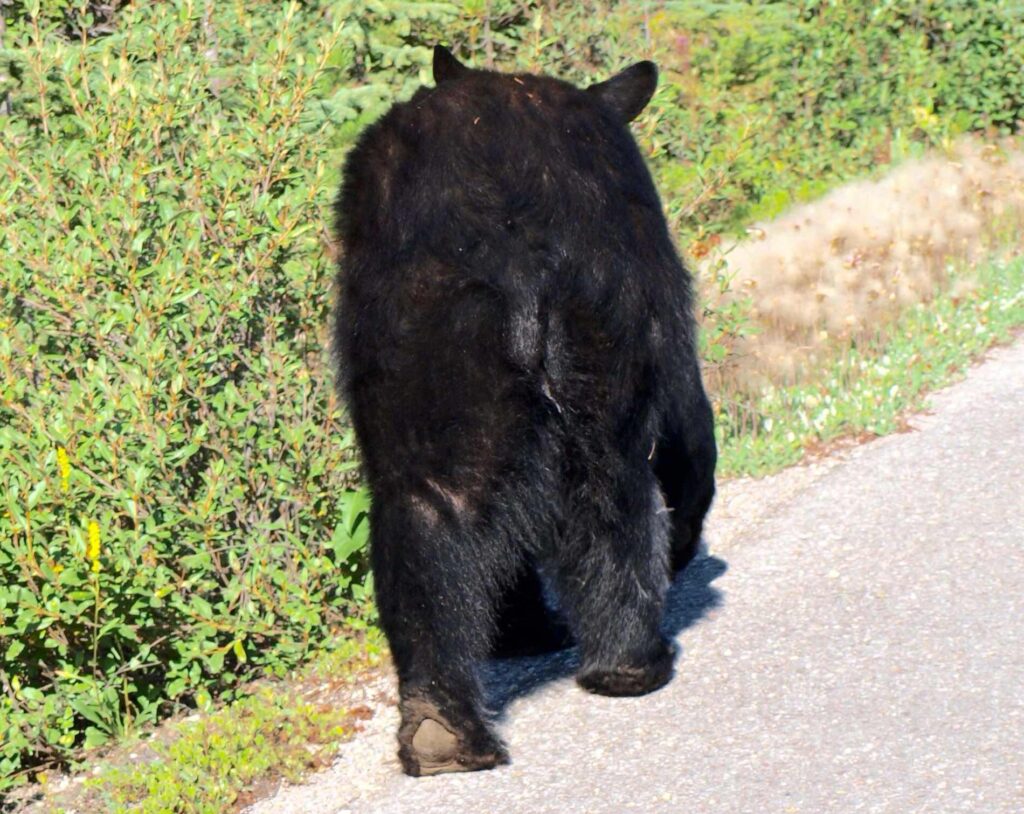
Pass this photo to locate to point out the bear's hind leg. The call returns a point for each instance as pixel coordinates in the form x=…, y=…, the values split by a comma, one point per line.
x=612, y=576
x=526, y=626
x=684, y=462
x=436, y=587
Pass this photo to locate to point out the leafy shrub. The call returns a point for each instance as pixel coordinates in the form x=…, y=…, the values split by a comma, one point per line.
x=776, y=102
x=177, y=479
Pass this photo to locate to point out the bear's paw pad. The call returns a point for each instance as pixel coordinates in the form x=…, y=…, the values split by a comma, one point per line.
x=433, y=743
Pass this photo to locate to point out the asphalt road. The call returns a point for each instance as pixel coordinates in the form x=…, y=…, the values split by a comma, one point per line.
x=853, y=642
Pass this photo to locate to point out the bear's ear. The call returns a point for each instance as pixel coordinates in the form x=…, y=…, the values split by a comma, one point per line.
x=628, y=93
x=446, y=66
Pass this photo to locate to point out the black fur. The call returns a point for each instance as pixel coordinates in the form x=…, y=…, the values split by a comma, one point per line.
x=517, y=348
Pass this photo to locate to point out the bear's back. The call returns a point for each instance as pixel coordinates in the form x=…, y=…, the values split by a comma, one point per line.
x=505, y=260
x=493, y=158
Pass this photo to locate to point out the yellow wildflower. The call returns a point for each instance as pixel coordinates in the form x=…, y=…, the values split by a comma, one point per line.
x=64, y=467
x=92, y=552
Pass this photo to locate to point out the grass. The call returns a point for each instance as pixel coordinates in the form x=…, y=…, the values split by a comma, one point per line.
x=218, y=759
x=867, y=389
x=830, y=272
x=213, y=759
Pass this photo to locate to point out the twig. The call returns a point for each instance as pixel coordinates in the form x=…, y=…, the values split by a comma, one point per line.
x=5, y=100
x=488, y=39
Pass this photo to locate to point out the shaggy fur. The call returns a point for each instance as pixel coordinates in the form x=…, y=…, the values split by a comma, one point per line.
x=517, y=350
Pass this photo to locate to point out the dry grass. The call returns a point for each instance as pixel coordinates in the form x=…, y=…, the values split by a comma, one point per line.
x=838, y=270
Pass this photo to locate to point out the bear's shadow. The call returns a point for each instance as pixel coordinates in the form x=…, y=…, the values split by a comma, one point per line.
x=690, y=597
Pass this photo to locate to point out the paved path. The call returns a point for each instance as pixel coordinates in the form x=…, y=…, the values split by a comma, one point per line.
x=854, y=643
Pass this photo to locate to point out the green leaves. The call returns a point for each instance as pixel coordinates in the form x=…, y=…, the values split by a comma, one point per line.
x=163, y=297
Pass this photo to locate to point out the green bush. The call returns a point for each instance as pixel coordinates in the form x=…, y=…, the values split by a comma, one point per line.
x=178, y=496
x=772, y=103
x=180, y=503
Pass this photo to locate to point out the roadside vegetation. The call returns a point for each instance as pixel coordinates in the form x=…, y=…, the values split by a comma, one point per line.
x=181, y=507
x=211, y=762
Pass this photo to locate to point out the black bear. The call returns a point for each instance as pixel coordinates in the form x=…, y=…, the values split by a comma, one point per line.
x=516, y=345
